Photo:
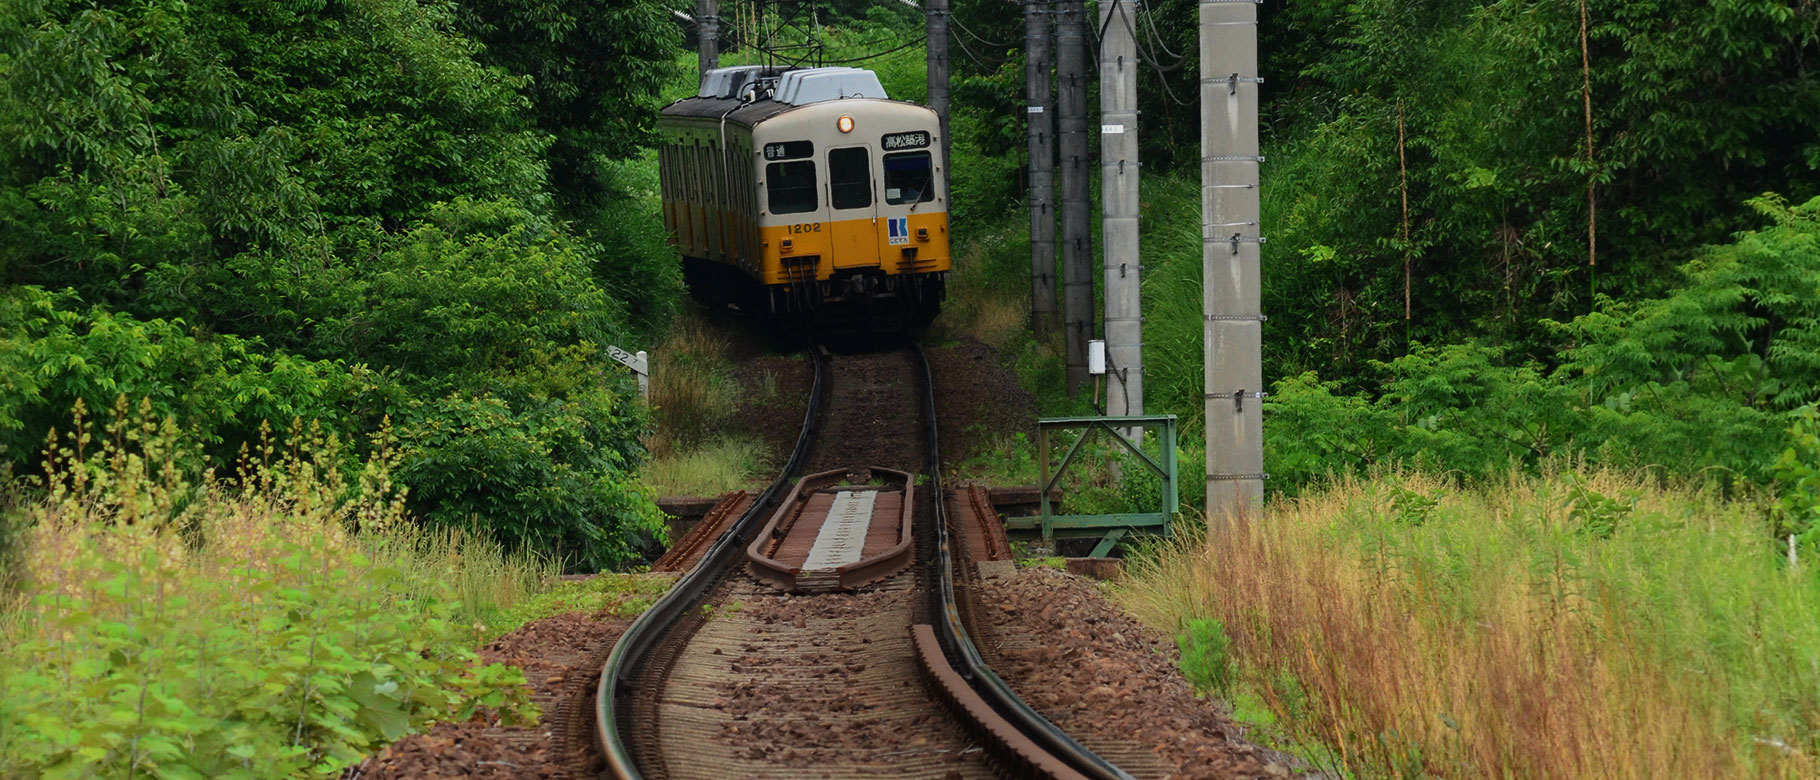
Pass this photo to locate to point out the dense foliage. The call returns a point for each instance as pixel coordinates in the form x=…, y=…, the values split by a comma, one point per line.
x=340, y=211
x=1687, y=351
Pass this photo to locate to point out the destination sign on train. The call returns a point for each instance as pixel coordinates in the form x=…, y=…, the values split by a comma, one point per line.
x=912, y=140
x=789, y=150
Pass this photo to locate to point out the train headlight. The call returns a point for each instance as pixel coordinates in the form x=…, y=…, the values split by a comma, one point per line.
x=845, y=124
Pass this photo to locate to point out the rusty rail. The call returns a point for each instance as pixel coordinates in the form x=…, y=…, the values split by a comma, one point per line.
x=1026, y=742
x=963, y=659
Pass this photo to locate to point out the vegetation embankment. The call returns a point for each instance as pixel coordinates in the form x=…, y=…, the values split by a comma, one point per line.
x=284, y=620
x=1575, y=624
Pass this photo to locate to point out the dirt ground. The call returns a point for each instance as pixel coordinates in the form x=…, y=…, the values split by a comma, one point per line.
x=561, y=657
x=1109, y=680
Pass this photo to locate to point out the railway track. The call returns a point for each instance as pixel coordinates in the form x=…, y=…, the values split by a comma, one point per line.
x=725, y=677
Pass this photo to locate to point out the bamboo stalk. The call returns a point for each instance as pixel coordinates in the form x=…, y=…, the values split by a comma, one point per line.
x=1403, y=173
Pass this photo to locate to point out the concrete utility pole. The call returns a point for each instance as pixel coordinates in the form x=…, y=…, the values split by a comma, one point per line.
x=1041, y=127
x=707, y=35
x=1230, y=244
x=1077, y=253
x=935, y=26
x=1119, y=207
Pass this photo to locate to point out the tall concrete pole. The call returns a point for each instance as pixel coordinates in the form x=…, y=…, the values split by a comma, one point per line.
x=707, y=35
x=1230, y=244
x=1038, y=14
x=1119, y=207
x=935, y=26
x=1077, y=252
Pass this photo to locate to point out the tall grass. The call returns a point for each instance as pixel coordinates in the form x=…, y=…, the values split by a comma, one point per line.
x=707, y=470
x=1556, y=626
x=989, y=288
x=281, y=621
x=692, y=388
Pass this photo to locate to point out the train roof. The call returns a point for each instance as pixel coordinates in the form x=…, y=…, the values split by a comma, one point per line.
x=750, y=94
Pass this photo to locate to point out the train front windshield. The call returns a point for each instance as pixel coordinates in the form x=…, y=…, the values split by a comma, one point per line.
x=909, y=178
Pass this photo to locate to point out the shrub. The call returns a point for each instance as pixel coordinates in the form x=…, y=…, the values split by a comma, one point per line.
x=278, y=622
x=1206, y=655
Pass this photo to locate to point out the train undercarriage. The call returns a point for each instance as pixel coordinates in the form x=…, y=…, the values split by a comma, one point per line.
x=864, y=300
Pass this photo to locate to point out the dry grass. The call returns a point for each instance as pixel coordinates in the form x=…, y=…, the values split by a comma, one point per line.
x=985, y=305
x=1559, y=627
x=693, y=394
x=692, y=388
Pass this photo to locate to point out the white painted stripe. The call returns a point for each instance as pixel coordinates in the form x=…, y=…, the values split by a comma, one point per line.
x=842, y=537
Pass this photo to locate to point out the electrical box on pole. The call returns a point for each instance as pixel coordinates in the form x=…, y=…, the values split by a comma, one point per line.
x=1077, y=251
x=1231, y=243
x=1039, y=114
x=1119, y=208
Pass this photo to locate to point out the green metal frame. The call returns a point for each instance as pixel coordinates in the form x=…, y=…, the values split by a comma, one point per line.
x=1110, y=528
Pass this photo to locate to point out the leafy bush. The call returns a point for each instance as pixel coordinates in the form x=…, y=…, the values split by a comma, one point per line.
x=1700, y=381
x=276, y=623
x=337, y=212
x=1798, y=481
x=55, y=352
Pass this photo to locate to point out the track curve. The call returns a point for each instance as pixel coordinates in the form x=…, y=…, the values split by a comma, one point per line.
x=1021, y=742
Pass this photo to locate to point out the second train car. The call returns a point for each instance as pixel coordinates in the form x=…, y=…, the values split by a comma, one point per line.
x=807, y=192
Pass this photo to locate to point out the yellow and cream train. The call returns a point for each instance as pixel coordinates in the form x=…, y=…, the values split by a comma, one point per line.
x=807, y=192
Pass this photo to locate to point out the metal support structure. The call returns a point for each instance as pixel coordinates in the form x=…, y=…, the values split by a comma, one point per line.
x=1077, y=249
x=1040, y=125
x=1124, y=321
x=1110, y=528
x=935, y=26
x=707, y=36
x=1231, y=244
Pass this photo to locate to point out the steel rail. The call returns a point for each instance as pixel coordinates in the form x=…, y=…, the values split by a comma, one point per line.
x=651, y=628
x=958, y=645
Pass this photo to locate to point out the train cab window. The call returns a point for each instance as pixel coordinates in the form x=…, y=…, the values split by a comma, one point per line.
x=908, y=178
x=850, y=177
x=790, y=186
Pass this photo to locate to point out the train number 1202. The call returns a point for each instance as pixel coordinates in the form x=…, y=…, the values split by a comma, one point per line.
x=812, y=227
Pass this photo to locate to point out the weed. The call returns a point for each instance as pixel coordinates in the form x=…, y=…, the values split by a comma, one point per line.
x=692, y=387
x=707, y=470
x=614, y=595
x=1206, y=656
x=283, y=621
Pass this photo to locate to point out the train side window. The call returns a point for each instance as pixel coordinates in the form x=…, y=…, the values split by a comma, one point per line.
x=790, y=186
x=909, y=178
x=667, y=164
x=850, y=177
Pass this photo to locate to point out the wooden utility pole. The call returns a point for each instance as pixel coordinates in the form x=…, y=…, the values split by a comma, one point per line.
x=1119, y=208
x=707, y=35
x=1038, y=15
x=1077, y=253
x=1230, y=244
x=935, y=26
